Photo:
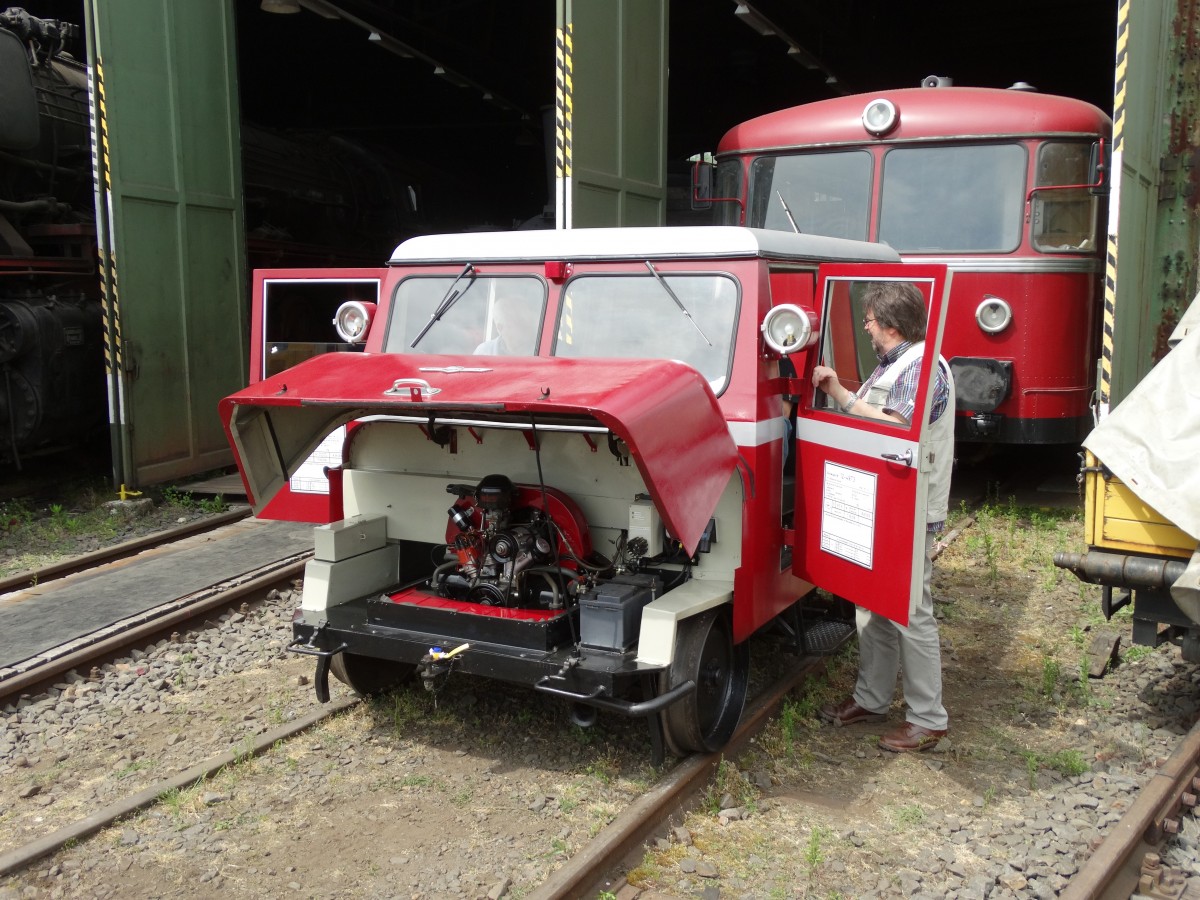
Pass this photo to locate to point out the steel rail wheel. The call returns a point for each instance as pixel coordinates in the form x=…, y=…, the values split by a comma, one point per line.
x=368, y=675
x=705, y=653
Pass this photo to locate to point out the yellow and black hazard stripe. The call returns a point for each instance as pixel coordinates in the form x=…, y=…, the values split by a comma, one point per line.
x=562, y=102
x=1110, y=266
x=562, y=122
x=113, y=344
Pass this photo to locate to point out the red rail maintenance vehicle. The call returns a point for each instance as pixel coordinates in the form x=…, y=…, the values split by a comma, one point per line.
x=1007, y=187
x=558, y=459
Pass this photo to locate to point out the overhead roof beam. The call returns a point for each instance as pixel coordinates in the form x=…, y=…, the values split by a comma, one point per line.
x=382, y=39
x=752, y=17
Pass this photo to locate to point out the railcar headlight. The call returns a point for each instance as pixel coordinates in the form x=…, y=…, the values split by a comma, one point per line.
x=993, y=315
x=353, y=320
x=880, y=116
x=788, y=328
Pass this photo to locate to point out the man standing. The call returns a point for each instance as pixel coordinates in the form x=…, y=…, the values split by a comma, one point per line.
x=896, y=320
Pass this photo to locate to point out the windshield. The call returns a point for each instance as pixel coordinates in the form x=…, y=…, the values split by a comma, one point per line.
x=826, y=193
x=493, y=314
x=632, y=316
x=961, y=199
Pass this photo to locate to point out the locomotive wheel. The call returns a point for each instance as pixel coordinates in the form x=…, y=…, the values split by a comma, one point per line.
x=368, y=675
x=705, y=653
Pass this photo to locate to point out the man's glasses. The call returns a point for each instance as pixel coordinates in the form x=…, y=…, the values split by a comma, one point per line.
x=867, y=320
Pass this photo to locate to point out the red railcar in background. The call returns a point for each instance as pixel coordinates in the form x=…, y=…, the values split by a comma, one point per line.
x=1006, y=187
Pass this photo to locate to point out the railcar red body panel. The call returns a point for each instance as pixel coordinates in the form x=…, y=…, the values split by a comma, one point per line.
x=925, y=114
x=654, y=406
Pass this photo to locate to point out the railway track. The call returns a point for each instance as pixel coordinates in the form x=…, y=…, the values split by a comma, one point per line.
x=590, y=869
x=585, y=871
x=85, y=652
x=1129, y=860
x=593, y=866
x=123, y=550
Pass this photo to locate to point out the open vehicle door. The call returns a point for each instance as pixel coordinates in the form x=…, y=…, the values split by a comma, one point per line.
x=292, y=313
x=860, y=482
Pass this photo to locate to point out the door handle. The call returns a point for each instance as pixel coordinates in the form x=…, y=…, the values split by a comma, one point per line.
x=906, y=457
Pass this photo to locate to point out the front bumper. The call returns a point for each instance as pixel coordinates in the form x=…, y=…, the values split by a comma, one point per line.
x=538, y=652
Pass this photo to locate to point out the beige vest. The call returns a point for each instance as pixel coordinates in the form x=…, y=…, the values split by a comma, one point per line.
x=939, y=438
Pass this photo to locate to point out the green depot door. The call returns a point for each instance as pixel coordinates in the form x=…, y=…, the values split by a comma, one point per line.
x=170, y=219
x=611, y=131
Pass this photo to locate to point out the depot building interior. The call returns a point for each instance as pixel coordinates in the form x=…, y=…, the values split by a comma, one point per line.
x=355, y=124
x=467, y=112
x=455, y=97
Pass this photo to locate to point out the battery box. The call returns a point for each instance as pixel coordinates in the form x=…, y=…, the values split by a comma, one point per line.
x=610, y=615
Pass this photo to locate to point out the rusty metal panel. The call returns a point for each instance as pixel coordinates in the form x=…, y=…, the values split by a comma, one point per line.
x=1177, y=235
x=1154, y=228
x=170, y=217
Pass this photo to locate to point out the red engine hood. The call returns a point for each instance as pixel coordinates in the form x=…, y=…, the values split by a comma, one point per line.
x=664, y=411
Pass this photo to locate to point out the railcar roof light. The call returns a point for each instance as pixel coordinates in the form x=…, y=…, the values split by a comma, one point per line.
x=788, y=328
x=993, y=315
x=353, y=320
x=880, y=116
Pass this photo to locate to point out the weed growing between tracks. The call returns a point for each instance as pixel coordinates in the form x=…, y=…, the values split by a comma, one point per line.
x=494, y=783
x=75, y=520
x=831, y=815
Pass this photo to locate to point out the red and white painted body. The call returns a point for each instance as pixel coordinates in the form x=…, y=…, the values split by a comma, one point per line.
x=600, y=422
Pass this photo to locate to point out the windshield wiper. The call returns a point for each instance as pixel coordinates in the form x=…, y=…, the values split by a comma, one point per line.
x=448, y=301
x=787, y=212
x=678, y=302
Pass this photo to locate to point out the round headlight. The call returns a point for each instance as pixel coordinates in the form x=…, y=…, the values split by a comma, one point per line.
x=788, y=328
x=993, y=315
x=353, y=320
x=880, y=116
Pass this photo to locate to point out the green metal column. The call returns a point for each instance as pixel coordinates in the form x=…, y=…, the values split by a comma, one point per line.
x=168, y=166
x=611, y=128
x=1153, y=221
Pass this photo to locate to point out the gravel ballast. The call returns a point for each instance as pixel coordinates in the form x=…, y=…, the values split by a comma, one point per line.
x=482, y=790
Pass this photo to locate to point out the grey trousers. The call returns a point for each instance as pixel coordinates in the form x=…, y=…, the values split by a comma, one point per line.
x=886, y=649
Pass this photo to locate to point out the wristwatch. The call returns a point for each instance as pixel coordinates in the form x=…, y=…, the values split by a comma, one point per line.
x=849, y=404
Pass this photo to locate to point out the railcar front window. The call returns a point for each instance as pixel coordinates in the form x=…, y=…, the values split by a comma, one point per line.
x=493, y=315
x=966, y=199
x=818, y=193
x=634, y=317
x=1064, y=219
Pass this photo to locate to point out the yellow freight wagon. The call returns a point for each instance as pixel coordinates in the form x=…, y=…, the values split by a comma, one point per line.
x=1136, y=554
x=1116, y=520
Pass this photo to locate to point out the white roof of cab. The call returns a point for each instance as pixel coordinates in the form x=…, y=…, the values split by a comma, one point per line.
x=688, y=242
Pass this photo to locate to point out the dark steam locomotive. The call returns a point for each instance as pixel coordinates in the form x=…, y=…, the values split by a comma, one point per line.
x=309, y=199
x=51, y=326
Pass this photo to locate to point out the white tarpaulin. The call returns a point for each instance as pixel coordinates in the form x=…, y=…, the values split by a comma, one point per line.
x=1151, y=441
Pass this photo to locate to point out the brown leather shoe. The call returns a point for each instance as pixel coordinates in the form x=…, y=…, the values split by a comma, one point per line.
x=848, y=712
x=911, y=737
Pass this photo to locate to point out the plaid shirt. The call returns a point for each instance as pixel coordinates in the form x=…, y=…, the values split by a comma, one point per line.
x=902, y=398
